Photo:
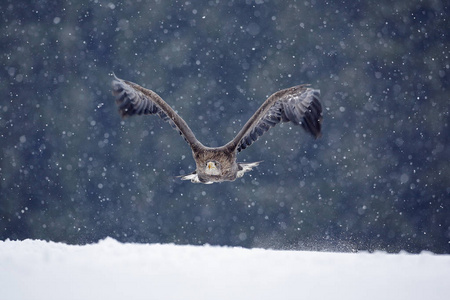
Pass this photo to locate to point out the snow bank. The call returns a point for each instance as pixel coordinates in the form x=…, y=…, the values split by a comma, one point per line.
x=110, y=270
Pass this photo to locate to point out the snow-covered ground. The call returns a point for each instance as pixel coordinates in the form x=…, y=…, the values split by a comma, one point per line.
x=111, y=270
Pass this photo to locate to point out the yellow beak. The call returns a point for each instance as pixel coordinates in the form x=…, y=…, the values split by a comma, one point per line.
x=211, y=165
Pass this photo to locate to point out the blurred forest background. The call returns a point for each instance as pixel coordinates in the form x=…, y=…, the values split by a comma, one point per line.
x=378, y=179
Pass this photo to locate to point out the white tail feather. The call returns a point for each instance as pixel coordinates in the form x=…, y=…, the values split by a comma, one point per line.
x=193, y=177
x=246, y=168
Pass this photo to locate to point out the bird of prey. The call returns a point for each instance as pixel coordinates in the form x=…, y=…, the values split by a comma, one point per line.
x=299, y=104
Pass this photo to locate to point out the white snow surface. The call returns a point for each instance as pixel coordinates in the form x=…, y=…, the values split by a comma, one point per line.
x=34, y=269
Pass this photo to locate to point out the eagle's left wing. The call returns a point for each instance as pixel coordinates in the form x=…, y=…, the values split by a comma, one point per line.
x=299, y=105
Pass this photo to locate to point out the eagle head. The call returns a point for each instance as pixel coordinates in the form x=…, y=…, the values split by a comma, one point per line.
x=212, y=168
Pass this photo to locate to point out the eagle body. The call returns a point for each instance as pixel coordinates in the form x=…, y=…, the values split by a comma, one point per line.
x=222, y=158
x=299, y=105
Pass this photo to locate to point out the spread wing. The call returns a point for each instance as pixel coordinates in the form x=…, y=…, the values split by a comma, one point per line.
x=133, y=99
x=299, y=105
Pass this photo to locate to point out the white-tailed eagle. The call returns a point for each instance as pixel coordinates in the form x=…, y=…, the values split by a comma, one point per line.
x=299, y=105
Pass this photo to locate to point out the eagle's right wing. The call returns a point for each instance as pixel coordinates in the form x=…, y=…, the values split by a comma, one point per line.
x=133, y=99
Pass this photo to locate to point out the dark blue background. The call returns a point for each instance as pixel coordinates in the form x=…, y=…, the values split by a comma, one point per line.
x=378, y=179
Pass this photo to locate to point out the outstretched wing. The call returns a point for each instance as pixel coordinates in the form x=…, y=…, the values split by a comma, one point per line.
x=299, y=105
x=133, y=99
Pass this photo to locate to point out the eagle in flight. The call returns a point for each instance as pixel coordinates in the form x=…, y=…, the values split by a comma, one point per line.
x=299, y=105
